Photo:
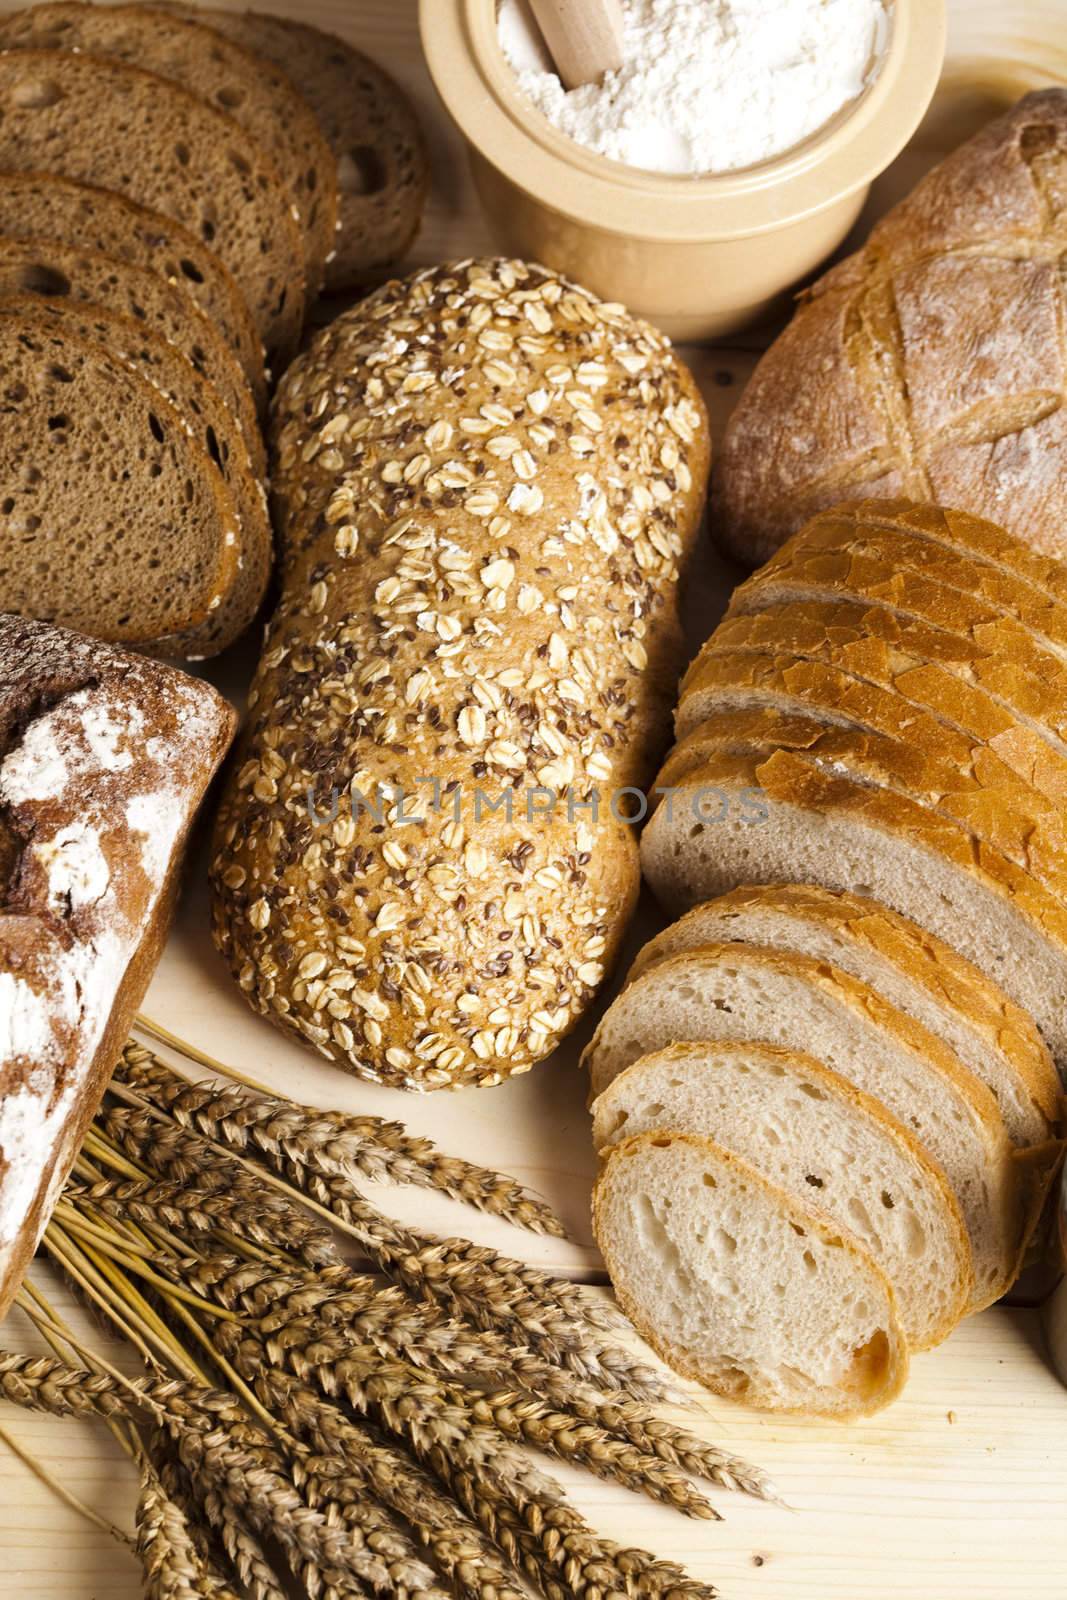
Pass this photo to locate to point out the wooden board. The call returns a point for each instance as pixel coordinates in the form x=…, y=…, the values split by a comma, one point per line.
x=914, y=1505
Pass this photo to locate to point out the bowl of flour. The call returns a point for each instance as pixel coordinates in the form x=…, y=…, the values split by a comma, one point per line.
x=718, y=165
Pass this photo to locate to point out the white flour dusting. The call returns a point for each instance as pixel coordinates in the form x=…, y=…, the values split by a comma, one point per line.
x=707, y=85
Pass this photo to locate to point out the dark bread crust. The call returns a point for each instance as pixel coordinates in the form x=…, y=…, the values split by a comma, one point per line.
x=930, y=364
x=122, y=732
x=101, y=121
x=41, y=205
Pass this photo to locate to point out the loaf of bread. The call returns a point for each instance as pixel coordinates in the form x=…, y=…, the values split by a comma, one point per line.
x=104, y=758
x=258, y=97
x=740, y=1286
x=930, y=364
x=42, y=206
x=115, y=519
x=823, y=1141
x=486, y=481
x=103, y=122
x=383, y=171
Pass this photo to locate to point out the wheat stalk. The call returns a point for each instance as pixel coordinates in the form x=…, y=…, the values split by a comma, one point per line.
x=330, y=1142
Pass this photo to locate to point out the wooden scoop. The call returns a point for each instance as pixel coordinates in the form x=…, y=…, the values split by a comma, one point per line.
x=584, y=37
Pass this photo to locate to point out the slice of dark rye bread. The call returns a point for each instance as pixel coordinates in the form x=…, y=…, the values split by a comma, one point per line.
x=58, y=272
x=104, y=122
x=211, y=424
x=40, y=205
x=382, y=169
x=249, y=89
x=114, y=521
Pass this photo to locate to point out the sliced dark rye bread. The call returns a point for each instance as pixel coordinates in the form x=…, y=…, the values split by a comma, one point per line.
x=230, y=78
x=108, y=123
x=40, y=205
x=783, y=820
x=64, y=272
x=382, y=168
x=114, y=521
x=211, y=424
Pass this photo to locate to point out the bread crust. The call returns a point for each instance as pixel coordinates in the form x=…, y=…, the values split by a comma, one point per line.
x=924, y=364
x=104, y=758
x=804, y=1218
x=480, y=591
x=928, y=962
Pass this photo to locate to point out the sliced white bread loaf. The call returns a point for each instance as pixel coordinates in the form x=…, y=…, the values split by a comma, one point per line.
x=740, y=1287
x=939, y=715
x=824, y=1142
x=978, y=687
x=750, y=993
x=741, y=819
x=913, y=970
x=984, y=797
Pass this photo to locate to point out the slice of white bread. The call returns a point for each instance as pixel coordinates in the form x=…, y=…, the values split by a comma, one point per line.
x=749, y=993
x=741, y=1288
x=827, y=1144
x=985, y=798
x=979, y=688
x=910, y=968
x=741, y=819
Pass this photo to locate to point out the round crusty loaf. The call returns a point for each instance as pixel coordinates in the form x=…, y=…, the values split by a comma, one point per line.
x=740, y=1287
x=58, y=271
x=255, y=95
x=209, y=422
x=104, y=122
x=914, y=971
x=825, y=1143
x=929, y=364
x=40, y=205
x=488, y=481
x=115, y=522
x=783, y=820
x=383, y=171
x=750, y=993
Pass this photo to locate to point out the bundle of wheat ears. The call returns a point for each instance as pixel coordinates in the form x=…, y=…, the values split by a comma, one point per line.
x=299, y=1428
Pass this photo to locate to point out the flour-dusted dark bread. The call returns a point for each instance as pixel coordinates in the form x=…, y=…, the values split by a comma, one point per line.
x=930, y=364
x=487, y=482
x=39, y=205
x=104, y=122
x=203, y=61
x=211, y=424
x=114, y=518
x=104, y=759
x=382, y=167
x=60, y=271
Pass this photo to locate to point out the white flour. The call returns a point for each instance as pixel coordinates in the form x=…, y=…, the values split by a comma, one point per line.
x=707, y=85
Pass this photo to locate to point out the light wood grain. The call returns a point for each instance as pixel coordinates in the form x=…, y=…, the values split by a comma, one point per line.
x=911, y=1506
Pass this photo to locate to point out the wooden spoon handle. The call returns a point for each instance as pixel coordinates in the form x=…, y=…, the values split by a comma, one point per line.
x=584, y=37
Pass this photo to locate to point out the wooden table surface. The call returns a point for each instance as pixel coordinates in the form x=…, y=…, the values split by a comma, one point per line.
x=958, y=1492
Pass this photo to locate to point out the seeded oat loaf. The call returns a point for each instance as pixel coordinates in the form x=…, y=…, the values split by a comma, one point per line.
x=39, y=205
x=826, y=1144
x=257, y=96
x=210, y=423
x=114, y=519
x=910, y=968
x=931, y=363
x=58, y=272
x=104, y=758
x=103, y=122
x=488, y=481
x=738, y=1286
x=382, y=168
